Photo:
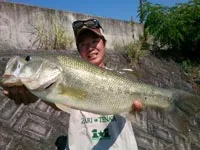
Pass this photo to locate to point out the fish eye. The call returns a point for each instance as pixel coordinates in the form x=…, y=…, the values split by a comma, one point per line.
x=28, y=58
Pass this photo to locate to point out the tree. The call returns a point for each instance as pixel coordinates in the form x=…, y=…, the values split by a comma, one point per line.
x=178, y=26
x=140, y=9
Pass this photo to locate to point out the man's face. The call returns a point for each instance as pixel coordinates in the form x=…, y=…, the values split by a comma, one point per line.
x=92, y=49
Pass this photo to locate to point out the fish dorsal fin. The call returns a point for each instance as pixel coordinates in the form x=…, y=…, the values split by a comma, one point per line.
x=73, y=93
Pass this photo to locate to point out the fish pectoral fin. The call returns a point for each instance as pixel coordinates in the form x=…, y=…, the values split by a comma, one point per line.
x=133, y=116
x=62, y=107
x=136, y=116
x=73, y=93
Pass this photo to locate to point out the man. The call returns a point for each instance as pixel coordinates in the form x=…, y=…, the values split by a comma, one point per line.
x=92, y=131
x=87, y=130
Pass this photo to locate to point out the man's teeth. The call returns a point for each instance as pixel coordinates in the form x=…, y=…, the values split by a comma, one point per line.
x=92, y=55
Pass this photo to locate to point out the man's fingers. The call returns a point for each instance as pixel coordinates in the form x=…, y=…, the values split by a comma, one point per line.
x=12, y=93
x=17, y=99
x=19, y=94
x=137, y=106
x=5, y=92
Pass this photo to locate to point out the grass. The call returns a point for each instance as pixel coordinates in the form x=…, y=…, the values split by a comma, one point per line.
x=192, y=69
x=136, y=50
x=54, y=37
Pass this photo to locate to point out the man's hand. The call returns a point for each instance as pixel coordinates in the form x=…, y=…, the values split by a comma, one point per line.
x=20, y=94
x=137, y=106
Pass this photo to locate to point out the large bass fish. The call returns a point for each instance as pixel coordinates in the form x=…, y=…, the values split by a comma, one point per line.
x=70, y=82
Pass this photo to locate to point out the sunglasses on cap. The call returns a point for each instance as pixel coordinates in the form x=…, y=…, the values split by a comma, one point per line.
x=91, y=23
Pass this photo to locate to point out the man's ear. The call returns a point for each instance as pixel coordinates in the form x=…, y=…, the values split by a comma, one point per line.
x=104, y=41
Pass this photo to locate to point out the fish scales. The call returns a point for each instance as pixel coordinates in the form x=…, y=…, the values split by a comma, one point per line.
x=95, y=82
x=84, y=86
x=114, y=99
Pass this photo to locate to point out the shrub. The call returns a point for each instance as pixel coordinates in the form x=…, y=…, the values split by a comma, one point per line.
x=54, y=37
x=175, y=28
x=136, y=50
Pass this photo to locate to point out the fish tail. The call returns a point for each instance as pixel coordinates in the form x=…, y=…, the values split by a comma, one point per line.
x=179, y=120
x=183, y=110
x=189, y=103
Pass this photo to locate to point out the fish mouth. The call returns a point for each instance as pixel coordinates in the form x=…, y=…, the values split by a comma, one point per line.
x=9, y=81
x=47, y=86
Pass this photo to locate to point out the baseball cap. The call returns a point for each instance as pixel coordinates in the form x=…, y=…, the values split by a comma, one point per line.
x=93, y=25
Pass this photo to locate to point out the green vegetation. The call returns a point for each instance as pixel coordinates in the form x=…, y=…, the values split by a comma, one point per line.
x=54, y=37
x=192, y=69
x=136, y=50
x=61, y=38
x=175, y=31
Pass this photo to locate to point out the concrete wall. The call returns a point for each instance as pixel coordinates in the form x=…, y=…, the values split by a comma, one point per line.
x=18, y=24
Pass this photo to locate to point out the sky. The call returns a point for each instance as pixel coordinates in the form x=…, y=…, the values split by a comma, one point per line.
x=115, y=9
